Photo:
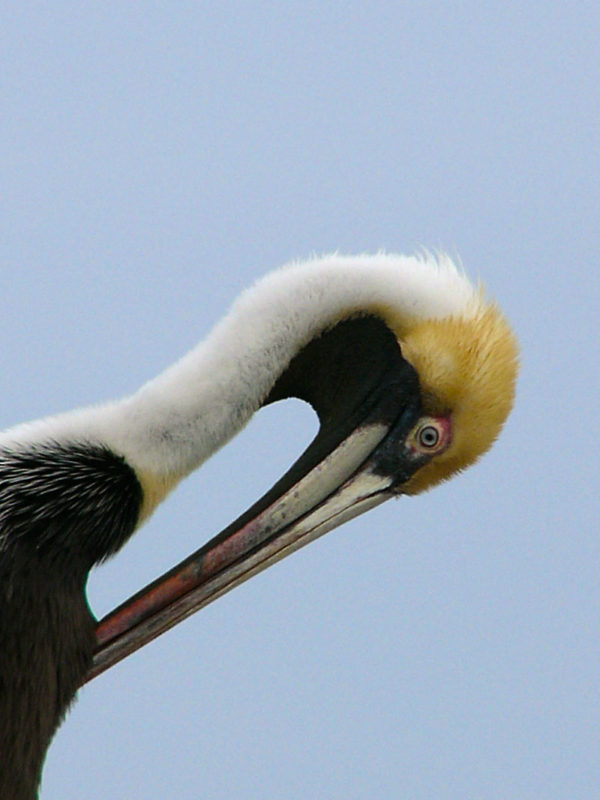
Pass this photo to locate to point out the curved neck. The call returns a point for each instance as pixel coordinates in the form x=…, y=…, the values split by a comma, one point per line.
x=181, y=417
x=174, y=422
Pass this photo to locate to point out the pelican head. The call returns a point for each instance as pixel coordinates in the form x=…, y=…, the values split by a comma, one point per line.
x=467, y=369
x=410, y=368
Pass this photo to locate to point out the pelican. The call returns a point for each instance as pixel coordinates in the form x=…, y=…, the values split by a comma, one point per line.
x=411, y=371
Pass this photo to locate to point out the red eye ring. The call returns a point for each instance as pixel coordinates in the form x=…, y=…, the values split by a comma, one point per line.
x=431, y=436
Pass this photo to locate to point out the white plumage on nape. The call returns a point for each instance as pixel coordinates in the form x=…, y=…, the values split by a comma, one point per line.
x=411, y=372
x=205, y=398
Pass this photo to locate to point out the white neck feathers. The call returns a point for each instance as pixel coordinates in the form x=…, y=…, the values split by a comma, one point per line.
x=174, y=422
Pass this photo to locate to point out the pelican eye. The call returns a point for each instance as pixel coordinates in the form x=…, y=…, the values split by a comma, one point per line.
x=431, y=436
x=428, y=436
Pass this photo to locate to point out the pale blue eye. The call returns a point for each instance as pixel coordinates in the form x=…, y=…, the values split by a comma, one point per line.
x=428, y=436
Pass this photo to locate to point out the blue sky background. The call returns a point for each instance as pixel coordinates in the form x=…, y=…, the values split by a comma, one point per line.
x=155, y=158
